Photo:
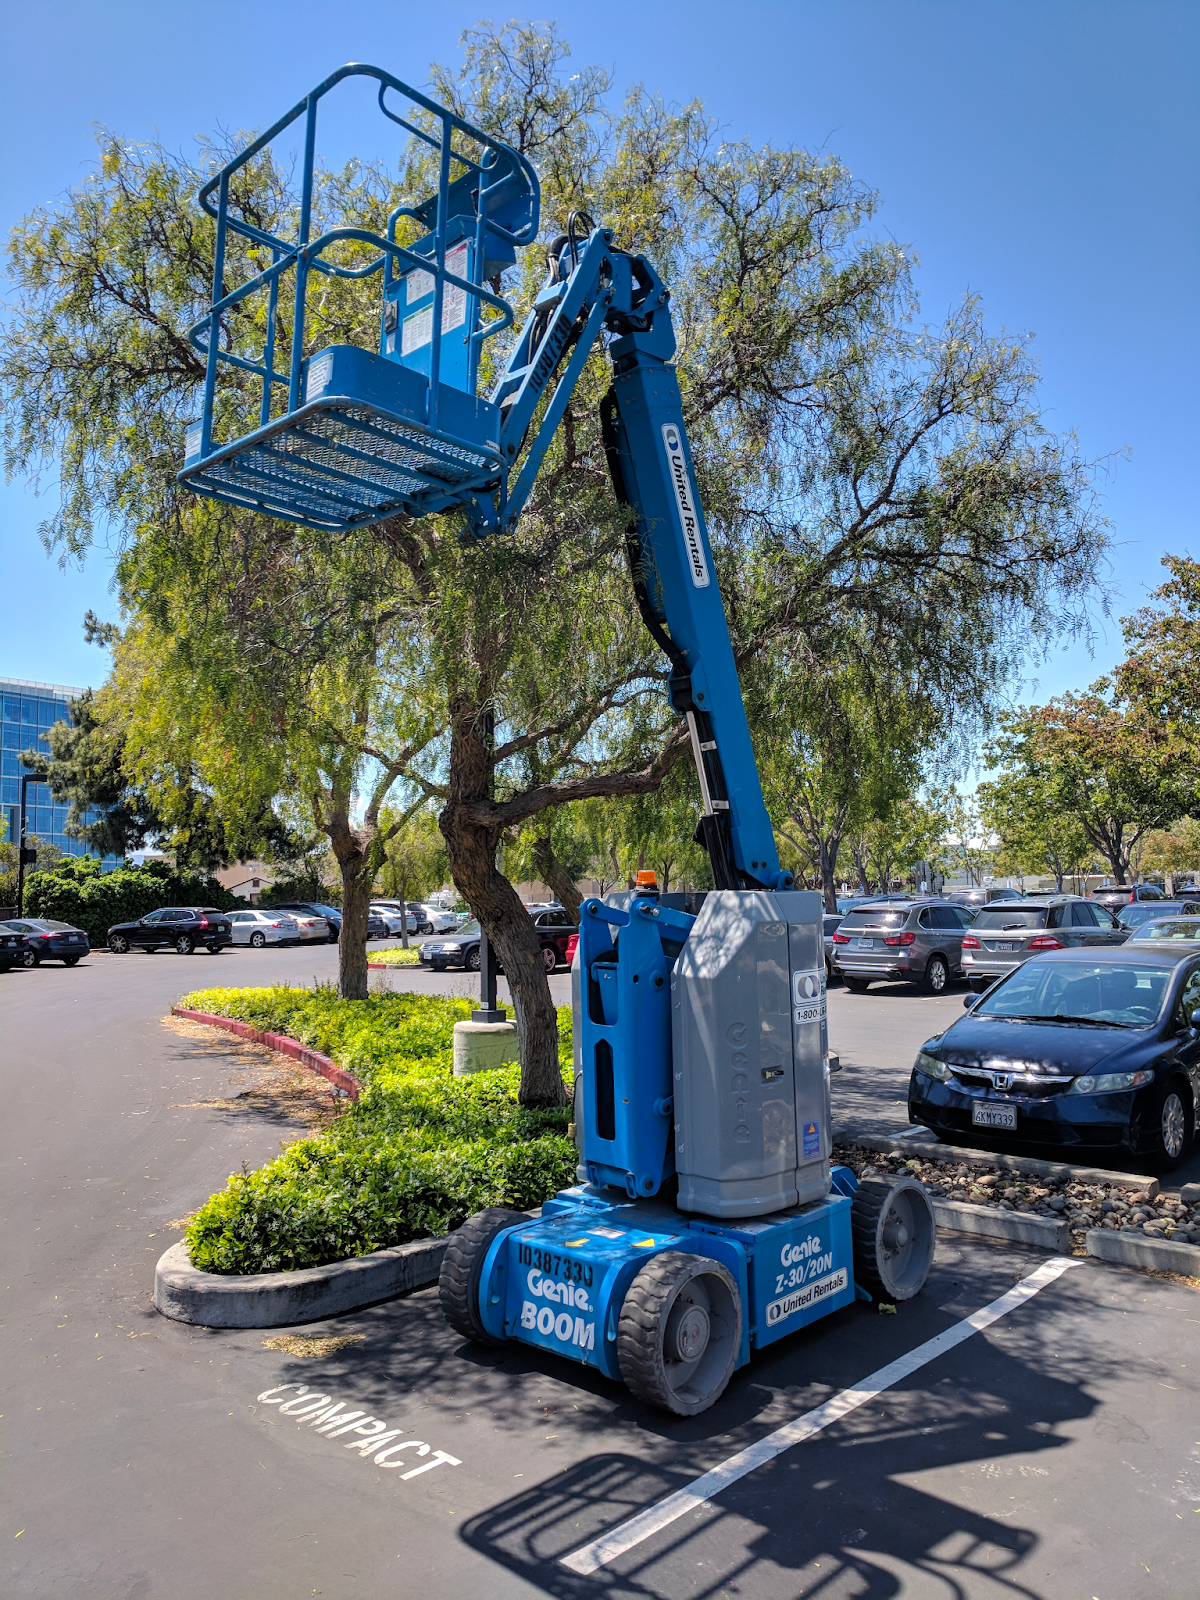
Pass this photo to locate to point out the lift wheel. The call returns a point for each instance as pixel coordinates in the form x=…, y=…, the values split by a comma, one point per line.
x=679, y=1332
x=894, y=1234
x=458, y=1281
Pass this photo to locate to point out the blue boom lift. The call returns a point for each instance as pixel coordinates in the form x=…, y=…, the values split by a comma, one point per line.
x=707, y=1220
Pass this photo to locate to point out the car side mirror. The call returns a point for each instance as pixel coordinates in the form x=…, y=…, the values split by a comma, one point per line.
x=971, y=1000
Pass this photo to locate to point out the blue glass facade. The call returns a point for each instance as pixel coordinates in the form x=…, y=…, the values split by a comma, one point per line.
x=27, y=712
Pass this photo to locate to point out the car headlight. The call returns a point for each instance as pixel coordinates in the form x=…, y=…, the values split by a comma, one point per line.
x=932, y=1067
x=1109, y=1082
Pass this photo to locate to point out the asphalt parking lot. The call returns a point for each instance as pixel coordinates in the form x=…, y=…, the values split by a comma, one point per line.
x=1055, y=1453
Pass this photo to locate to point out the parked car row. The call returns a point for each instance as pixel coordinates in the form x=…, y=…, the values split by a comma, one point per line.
x=461, y=948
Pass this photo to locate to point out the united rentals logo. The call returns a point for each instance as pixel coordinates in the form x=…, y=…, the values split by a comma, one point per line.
x=685, y=505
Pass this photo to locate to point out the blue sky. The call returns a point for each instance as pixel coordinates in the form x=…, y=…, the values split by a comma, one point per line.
x=1042, y=155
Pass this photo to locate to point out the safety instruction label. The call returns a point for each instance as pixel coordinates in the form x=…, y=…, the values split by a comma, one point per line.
x=417, y=329
x=319, y=373
x=788, y=1305
x=811, y=1133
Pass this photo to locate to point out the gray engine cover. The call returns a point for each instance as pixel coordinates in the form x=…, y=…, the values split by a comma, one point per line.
x=749, y=1048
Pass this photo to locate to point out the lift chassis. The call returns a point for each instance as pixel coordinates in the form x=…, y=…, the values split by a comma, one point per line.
x=707, y=1220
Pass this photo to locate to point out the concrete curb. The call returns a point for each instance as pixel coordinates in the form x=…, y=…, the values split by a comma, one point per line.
x=279, y=1299
x=312, y=1059
x=1134, y=1250
x=1016, y=1227
x=933, y=1150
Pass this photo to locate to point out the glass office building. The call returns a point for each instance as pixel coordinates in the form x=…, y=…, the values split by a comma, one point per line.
x=27, y=712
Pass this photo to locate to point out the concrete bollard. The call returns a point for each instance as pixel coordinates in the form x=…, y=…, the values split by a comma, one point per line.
x=483, y=1046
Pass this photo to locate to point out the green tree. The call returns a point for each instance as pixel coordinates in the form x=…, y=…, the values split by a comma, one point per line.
x=1104, y=764
x=414, y=862
x=1024, y=811
x=875, y=488
x=889, y=846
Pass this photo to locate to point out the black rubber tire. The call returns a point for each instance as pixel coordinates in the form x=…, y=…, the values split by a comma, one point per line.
x=185, y=945
x=31, y=959
x=333, y=936
x=458, y=1281
x=424, y=928
x=70, y=961
x=857, y=985
x=937, y=975
x=667, y=1282
x=1162, y=1157
x=888, y=1271
x=215, y=949
x=471, y=959
x=119, y=945
x=258, y=940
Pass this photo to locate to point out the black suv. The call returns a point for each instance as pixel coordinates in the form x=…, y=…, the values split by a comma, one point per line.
x=184, y=928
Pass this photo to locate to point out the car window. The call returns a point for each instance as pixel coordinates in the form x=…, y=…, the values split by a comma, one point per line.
x=964, y=915
x=469, y=927
x=1148, y=891
x=1189, y=998
x=1168, y=928
x=1072, y=991
x=157, y=916
x=1082, y=915
x=829, y=923
x=995, y=917
x=868, y=917
x=943, y=917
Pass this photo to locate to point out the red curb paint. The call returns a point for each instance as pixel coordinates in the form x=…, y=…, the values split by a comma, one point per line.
x=312, y=1059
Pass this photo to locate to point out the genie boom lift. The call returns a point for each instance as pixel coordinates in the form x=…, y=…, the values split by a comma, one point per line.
x=707, y=1220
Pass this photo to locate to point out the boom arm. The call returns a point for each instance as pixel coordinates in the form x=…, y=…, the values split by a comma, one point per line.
x=592, y=287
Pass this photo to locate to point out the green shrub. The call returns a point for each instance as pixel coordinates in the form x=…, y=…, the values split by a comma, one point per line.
x=76, y=891
x=414, y=1156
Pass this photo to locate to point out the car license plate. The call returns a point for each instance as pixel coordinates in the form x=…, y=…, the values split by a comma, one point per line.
x=1002, y=947
x=989, y=1116
x=864, y=944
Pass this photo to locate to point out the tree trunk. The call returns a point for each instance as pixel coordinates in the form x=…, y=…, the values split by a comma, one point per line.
x=560, y=883
x=404, y=913
x=510, y=930
x=352, y=850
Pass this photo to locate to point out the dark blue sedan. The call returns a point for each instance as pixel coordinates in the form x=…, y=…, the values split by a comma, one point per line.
x=1082, y=1048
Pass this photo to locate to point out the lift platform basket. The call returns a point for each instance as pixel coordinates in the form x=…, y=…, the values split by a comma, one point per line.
x=347, y=436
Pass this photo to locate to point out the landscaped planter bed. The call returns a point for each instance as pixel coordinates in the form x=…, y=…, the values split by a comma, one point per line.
x=1083, y=1206
x=415, y=1155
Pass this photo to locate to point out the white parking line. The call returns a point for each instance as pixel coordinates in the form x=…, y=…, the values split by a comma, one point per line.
x=601, y=1551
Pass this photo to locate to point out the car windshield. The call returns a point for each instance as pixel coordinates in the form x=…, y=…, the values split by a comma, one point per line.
x=1073, y=991
x=1175, y=928
x=871, y=918
x=1009, y=916
x=469, y=927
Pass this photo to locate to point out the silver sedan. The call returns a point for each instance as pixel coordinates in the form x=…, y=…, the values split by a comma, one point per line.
x=259, y=928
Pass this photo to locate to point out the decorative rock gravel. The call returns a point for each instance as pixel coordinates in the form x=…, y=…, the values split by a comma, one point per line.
x=1082, y=1205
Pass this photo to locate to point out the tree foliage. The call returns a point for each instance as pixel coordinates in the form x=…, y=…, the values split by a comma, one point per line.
x=882, y=496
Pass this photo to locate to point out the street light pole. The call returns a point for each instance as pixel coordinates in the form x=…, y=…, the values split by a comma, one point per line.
x=26, y=856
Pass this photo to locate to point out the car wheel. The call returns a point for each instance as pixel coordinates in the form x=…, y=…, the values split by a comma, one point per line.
x=1174, y=1126
x=471, y=959
x=258, y=940
x=937, y=975
x=185, y=944
x=857, y=985
x=333, y=938
x=215, y=949
x=549, y=958
x=119, y=945
x=980, y=985
x=70, y=961
x=425, y=927
x=31, y=959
